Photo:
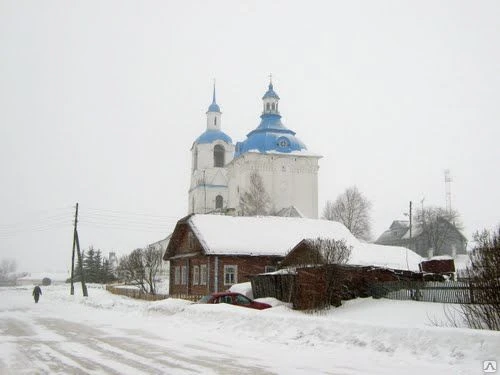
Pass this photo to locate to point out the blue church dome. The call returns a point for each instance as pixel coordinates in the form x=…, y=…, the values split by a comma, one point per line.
x=271, y=93
x=271, y=135
x=214, y=107
x=210, y=136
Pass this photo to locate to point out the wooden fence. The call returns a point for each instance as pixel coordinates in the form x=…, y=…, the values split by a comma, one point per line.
x=281, y=287
x=430, y=291
x=134, y=293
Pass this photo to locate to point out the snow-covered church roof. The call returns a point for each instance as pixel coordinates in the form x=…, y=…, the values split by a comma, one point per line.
x=276, y=236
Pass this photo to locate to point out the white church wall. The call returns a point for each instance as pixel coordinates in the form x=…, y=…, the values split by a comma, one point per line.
x=208, y=181
x=290, y=180
x=205, y=199
x=205, y=153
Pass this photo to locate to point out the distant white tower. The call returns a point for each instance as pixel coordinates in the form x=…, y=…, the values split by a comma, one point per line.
x=210, y=153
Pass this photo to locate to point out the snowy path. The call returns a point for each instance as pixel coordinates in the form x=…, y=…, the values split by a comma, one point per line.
x=106, y=334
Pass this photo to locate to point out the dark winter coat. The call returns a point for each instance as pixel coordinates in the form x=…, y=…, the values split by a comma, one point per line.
x=37, y=291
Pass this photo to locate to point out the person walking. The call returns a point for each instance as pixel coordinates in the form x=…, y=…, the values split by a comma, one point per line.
x=37, y=293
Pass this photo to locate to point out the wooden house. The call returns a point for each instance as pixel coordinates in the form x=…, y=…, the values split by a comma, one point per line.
x=210, y=253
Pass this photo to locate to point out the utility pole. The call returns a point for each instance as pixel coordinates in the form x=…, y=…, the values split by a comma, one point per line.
x=409, y=243
x=73, y=252
x=447, y=182
x=410, y=221
x=76, y=242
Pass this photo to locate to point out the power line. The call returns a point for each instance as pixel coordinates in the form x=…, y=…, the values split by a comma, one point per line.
x=98, y=210
x=48, y=220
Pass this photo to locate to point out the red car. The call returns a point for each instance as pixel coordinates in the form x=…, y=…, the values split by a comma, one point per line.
x=234, y=299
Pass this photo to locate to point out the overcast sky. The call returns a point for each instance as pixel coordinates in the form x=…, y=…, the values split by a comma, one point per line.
x=100, y=102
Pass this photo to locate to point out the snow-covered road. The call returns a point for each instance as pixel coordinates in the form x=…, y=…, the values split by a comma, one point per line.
x=107, y=334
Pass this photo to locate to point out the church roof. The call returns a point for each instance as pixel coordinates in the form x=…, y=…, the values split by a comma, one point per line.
x=271, y=135
x=270, y=93
x=210, y=136
x=290, y=211
x=214, y=107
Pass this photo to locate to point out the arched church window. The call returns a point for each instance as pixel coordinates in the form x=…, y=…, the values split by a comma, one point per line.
x=219, y=202
x=267, y=106
x=195, y=159
x=273, y=106
x=219, y=154
x=215, y=120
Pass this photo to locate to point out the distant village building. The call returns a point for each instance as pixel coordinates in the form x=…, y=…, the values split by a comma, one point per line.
x=113, y=261
x=220, y=170
x=452, y=242
x=163, y=272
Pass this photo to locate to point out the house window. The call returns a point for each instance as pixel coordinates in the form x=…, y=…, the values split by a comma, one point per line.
x=230, y=274
x=219, y=156
x=269, y=269
x=203, y=274
x=191, y=241
x=196, y=275
x=184, y=275
x=177, y=275
x=219, y=202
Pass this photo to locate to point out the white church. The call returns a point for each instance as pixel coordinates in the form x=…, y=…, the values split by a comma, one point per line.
x=220, y=170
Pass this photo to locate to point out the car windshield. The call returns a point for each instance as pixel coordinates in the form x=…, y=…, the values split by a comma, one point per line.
x=242, y=300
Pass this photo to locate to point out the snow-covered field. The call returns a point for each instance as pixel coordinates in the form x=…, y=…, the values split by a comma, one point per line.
x=109, y=334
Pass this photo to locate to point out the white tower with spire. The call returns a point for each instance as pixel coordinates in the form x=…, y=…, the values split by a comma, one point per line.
x=210, y=154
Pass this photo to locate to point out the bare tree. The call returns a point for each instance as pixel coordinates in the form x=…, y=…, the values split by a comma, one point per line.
x=329, y=251
x=141, y=267
x=438, y=227
x=484, y=279
x=330, y=254
x=131, y=268
x=255, y=201
x=152, y=264
x=352, y=209
x=7, y=268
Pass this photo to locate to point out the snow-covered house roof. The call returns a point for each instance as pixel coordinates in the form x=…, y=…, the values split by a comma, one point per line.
x=162, y=244
x=276, y=236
